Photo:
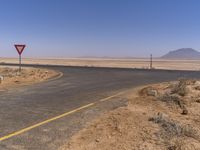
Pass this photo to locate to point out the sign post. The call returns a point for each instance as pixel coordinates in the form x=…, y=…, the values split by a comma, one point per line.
x=20, y=49
x=151, y=62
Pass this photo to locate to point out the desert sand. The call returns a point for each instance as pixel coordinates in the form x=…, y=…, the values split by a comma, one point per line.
x=158, y=117
x=12, y=78
x=108, y=62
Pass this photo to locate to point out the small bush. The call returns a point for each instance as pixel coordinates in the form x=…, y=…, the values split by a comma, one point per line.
x=175, y=99
x=172, y=128
x=180, y=88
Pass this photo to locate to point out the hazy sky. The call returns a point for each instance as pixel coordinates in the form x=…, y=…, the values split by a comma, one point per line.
x=120, y=28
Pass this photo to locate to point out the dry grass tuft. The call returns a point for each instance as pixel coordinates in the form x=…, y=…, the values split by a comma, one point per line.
x=172, y=129
x=174, y=99
x=180, y=88
x=180, y=144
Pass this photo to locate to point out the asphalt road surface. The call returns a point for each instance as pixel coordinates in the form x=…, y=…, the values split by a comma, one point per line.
x=44, y=116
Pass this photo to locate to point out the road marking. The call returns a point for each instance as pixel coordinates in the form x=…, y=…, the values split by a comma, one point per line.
x=107, y=98
x=44, y=122
x=54, y=118
x=56, y=77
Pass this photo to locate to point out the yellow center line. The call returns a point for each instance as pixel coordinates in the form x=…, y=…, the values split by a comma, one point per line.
x=55, y=118
x=107, y=98
x=44, y=122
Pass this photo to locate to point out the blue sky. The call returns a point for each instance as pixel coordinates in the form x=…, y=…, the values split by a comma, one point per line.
x=118, y=28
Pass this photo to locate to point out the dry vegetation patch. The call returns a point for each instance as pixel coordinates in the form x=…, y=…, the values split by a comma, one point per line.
x=11, y=77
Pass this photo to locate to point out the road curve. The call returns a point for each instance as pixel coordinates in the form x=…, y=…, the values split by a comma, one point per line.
x=79, y=86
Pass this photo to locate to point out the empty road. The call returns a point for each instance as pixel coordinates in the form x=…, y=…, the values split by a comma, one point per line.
x=43, y=116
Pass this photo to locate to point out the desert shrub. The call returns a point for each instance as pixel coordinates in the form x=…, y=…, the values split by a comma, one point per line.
x=197, y=88
x=180, y=88
x=168, y=98
x=180, y=144
x=172, y=128
x=174, y=99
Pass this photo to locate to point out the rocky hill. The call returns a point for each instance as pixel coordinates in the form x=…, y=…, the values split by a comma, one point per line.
x=183, y=53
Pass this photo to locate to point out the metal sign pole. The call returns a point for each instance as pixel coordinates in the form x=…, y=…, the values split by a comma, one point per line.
x=151, y=62
x=20, y=63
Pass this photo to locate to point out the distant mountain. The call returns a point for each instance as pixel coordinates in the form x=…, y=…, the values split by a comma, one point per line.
x=183, y=53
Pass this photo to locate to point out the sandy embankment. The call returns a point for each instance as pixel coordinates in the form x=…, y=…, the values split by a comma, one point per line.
x=12, y=78
x=160, y=117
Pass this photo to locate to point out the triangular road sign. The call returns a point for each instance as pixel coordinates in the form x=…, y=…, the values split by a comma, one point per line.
x=20, y=48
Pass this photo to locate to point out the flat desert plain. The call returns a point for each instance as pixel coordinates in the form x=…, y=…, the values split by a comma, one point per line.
x=109, y=62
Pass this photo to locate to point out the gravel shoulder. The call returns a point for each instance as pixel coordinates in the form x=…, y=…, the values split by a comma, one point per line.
x=161, y=116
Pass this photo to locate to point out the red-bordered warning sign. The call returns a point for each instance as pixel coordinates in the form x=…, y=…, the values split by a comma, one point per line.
x=20, y=48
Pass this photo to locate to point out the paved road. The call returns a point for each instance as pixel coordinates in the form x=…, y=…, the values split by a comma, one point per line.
x=79, y=86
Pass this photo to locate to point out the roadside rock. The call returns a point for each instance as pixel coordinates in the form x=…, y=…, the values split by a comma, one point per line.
x=198, y=100
x=197, y=83
x=1, y=79
x=197, y=87
x=185, y=112
x=149, y=91
x=152, y=92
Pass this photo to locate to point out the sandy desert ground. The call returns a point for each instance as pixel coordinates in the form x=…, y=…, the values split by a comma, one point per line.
x=12, y=78
x=158, y=117
x=121, y=63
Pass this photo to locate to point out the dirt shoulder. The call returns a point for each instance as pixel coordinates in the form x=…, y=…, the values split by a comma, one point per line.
x=11, y=78
x=159, y=117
